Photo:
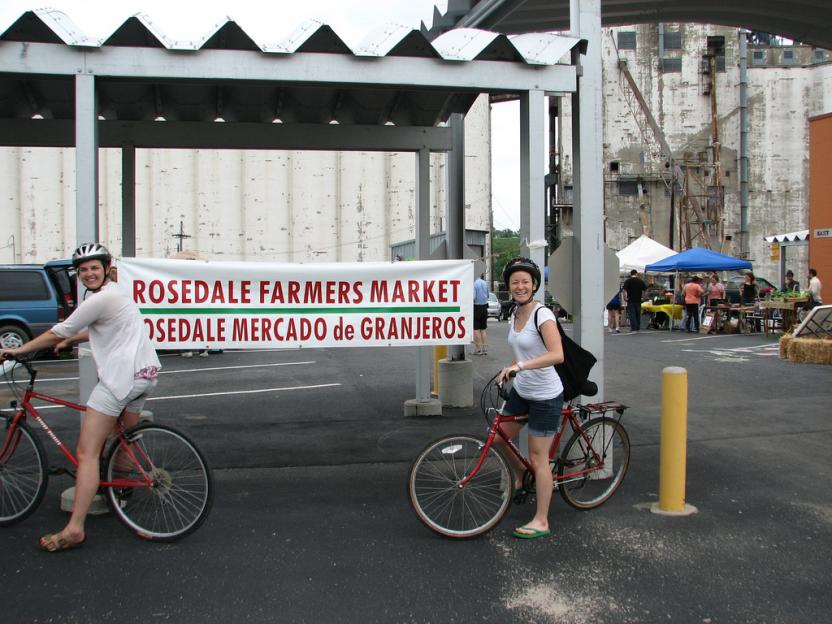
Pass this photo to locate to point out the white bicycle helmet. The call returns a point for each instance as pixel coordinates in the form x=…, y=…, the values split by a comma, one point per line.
x=92, y=251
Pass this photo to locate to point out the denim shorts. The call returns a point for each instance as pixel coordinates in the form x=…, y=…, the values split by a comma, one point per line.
x=102, y=400
x=544, y=416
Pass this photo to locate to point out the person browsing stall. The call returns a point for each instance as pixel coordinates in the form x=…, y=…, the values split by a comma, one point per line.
x=537, y=391
x=716, y=290
x=480, y=316
x=127, y=368
x=634, y=288
x=693, y=297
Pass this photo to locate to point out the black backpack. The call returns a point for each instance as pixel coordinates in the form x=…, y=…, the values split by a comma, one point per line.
x=574, y=370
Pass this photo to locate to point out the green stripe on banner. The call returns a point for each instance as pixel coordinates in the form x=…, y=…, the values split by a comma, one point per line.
x=351, y=310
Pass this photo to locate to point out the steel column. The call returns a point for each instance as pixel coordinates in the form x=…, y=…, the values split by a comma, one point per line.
x=588, y=190
x=424, y=355
x=86, y=200
x=128, y=200
x=532, y=180
x=456, y=204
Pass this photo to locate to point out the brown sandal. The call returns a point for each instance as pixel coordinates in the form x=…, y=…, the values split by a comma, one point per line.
x=55, y=542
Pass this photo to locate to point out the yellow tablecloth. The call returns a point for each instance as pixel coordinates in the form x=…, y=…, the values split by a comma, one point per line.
x=673, y=309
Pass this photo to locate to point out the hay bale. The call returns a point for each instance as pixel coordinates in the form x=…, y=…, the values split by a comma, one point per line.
x=810, y=351
x=785, y=343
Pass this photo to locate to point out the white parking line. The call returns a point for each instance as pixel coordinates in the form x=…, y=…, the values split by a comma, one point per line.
x=209, y=394
x=194, y=370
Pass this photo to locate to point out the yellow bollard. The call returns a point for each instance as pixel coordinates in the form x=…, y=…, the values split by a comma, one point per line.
x=440, y=352
x=673, y=450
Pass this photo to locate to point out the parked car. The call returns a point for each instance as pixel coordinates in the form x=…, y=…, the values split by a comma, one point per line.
x=493, y=306
x=732, y=287
x=33, y=298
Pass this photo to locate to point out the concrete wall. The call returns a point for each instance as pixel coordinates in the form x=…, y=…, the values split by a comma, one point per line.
x=241, y=205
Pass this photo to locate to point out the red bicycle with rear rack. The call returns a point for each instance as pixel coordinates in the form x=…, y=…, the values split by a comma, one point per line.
x=155, y=479
x=461, y=485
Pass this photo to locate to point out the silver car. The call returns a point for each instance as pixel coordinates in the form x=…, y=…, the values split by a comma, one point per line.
x=493, y=305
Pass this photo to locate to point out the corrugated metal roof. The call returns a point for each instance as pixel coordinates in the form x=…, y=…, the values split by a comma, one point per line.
x=139, y=85
x=139, y=30
x=789, y=237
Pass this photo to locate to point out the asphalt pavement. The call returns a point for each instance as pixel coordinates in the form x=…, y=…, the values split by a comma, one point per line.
x=311, y=521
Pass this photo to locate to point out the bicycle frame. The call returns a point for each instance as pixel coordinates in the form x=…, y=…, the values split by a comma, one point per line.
x=568, y=414
x=27, y=409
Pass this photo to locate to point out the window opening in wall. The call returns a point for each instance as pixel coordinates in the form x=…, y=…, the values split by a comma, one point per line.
x=820, y=55
x=627, y=187
x=758, y=57
x=671, y=65
x=673, y=40
x=716, y=47
x=614, y=166
x=627, y=40
x=788, y=57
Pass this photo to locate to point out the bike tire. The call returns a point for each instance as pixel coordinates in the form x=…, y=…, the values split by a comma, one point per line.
x=23, y=473
x=452, y=511
x=182, y=495
x=611, y=443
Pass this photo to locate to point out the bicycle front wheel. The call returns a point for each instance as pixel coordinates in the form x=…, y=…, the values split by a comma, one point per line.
x=23, y=473
x=593, y=463
x=445, y=507
x=180, y=495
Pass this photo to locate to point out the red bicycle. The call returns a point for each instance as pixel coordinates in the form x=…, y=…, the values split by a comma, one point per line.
x=155, y=479
x=461, y=485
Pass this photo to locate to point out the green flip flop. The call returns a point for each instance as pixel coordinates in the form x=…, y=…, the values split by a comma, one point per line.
x=535, y=533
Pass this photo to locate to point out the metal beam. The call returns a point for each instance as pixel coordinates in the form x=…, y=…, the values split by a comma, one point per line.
x=239, y=135
x=532, y=187
x=300, y=68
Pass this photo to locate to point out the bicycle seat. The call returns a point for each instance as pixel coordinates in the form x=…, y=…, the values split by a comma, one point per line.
x=589, y=388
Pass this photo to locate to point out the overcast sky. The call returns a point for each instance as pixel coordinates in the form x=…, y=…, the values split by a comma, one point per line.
x=271, y=22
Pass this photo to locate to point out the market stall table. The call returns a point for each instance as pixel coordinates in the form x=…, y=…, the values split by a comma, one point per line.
x=670, y=310
x=788, y=312
x=721, y=316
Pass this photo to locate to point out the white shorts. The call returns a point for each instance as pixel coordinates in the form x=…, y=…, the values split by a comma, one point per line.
x=102, y=400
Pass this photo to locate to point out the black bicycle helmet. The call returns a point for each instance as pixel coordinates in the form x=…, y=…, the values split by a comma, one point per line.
x=92, y=251
x=522, y=264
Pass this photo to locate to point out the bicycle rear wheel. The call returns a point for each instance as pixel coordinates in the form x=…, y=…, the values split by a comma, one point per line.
x=23, y=473
x=589, y=475
x=448, y=509
x=179, y=499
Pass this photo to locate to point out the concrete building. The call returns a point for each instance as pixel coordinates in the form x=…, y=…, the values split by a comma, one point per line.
x=669, y=65
x=242, y=205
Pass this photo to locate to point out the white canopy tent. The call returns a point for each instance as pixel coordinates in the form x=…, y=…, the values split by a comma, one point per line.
x=641, y=252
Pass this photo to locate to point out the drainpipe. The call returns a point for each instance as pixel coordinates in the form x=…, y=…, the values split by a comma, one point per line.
x=743, y=39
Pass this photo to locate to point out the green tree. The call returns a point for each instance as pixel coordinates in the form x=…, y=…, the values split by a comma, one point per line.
x=505, y=245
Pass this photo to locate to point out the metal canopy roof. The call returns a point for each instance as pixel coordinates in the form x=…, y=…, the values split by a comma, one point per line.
x=157, y=92
x=806, y=21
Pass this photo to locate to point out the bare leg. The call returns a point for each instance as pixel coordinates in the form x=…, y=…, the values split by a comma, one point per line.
x=539, y=455
x=512, y=429
x=94, y=431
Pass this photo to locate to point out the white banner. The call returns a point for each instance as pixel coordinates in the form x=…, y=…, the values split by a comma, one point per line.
x=191, y=304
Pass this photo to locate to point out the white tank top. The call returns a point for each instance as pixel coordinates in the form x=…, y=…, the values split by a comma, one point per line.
x=537, y=384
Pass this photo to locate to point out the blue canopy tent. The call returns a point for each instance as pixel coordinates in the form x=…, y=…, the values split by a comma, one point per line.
x=696, y=259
